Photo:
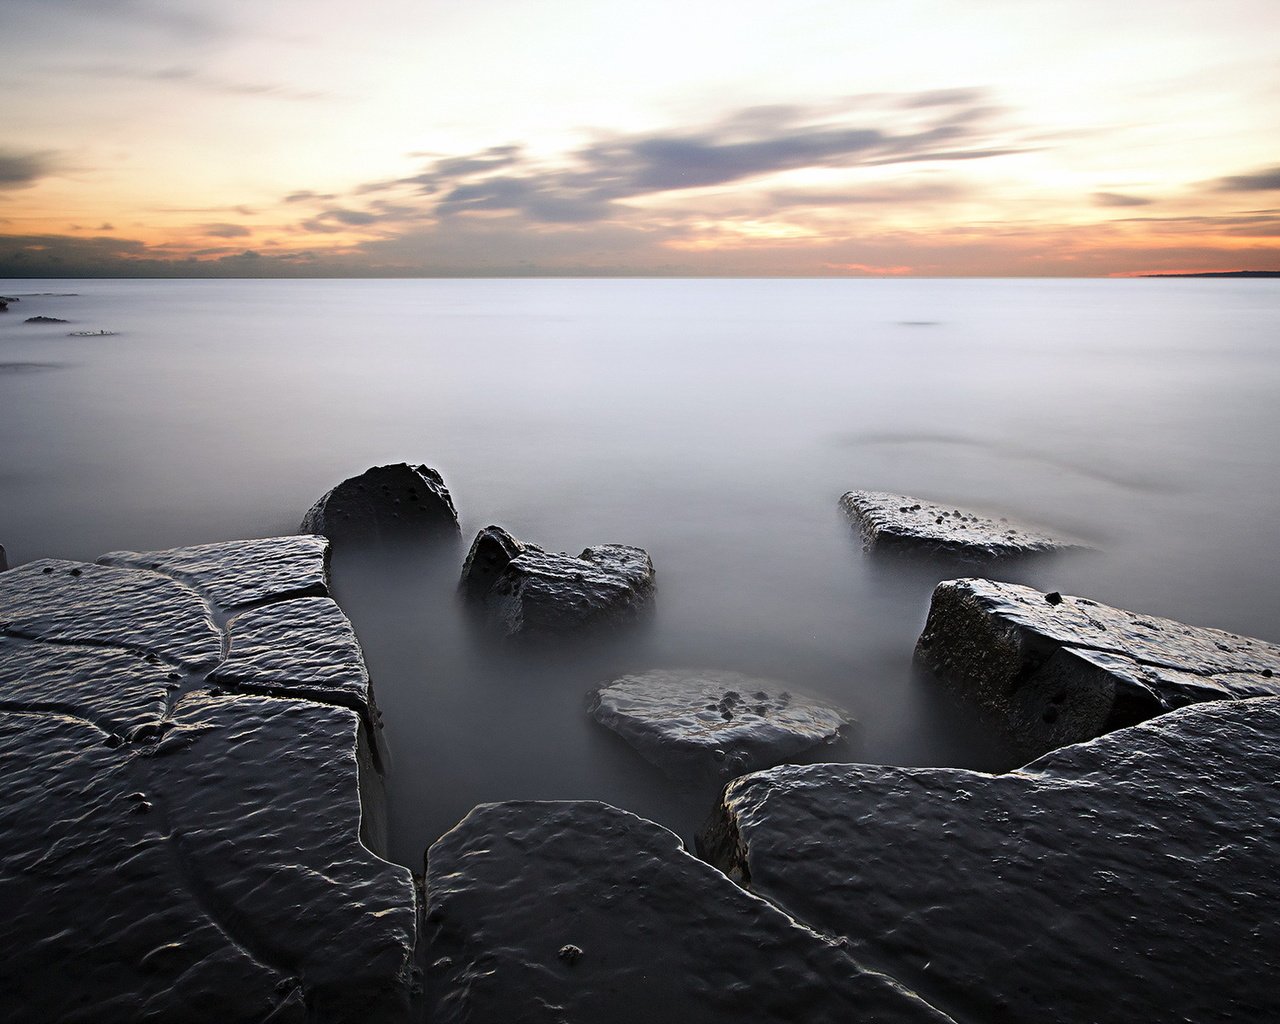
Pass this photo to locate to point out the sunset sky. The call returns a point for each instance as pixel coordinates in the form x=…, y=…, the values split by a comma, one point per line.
x=700, y=137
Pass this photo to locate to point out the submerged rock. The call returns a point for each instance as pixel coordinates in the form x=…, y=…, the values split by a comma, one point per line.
x=895, y=522
x=695, y=721
x=176, y=850
x=43, y=320
x=1053, y=669
x=1130, y=878
x=577, y=913
x=528, y=592
x=384, y=503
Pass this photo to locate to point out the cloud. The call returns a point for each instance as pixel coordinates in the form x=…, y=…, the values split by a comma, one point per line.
x=1119, y=199
x=192, y=77
x=19, y=170
x=225, y=230
x=1260, y=181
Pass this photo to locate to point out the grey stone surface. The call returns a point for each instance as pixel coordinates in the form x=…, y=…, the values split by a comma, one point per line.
x=175, y=853
x=4, y=559
x=1052, y=669
x=385, y=503
x=1130, y=878
x=896, y=522
x=698, y=721
x=240, y=572
x=524, y=591
x=579, y=913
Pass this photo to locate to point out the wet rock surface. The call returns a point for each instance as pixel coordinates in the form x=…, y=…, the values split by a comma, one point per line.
x=692, y=722
x=580, y=912
x=174, y=851
x=385, y=503
x=1130, y=878
x=524, y=591
x=1051, y=669
x=898, y=523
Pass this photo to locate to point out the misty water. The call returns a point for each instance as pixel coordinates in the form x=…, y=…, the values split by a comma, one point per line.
x=714, y=423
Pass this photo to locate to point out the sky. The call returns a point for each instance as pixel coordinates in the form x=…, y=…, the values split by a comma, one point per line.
x=246, y=138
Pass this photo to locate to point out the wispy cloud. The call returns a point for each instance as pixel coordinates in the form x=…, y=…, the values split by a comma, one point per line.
x=190, y=77
x=1120, y=199
x=18, y=170
x=1259, y=181
x=226, y=231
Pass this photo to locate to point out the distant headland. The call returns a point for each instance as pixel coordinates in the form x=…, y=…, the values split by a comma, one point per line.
x=1223, y=273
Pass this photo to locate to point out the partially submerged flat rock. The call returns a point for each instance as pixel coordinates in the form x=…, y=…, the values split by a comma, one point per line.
x=385, y=503
x=1053, y=669
x=1131, y=878
x=174, y=851
x=701, y=721
x=896, y=522
x=525, y=591
x=43, y=320
x=577, y=913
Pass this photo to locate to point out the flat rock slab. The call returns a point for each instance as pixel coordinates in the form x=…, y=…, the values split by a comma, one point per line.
x=173, y=851
x=896, y=522
x=578, y=913
x=1052, y=669
x=524, y=591
x=698, y=722
x=385, y=503
x=1131, y=878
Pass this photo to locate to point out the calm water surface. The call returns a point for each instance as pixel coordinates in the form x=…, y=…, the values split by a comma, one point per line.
x=713, y=422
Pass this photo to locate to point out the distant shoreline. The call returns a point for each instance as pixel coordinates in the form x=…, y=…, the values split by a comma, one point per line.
x=1223, y=273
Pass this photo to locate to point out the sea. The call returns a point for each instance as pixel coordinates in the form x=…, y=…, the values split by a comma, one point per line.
x=713, y=422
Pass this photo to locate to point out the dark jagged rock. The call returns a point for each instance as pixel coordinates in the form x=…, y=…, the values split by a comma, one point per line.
x=4, y=559
x=173, y=851
x=1053, y=669
x=577, y=913
x=43, y=320
x=1130, y=878
x=384, y=503
x=895, y=522
x=525, y=591
x=697, y=721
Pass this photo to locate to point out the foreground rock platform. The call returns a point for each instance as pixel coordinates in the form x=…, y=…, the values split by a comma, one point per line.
x=395, y=502
x=1131, y=878
x=1052, y=669
x=898, y=523
x=578, y=913
x=176, y=847
x=524, y=591
x=698, y=722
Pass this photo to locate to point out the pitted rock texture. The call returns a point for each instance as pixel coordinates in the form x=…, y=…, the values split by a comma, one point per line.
x=525, y=591
x=577, y=913
x=1052, y=669
x=896, y=522
x=690, y=721
x=173, y=851
x=397, y=502
x=1130, y=878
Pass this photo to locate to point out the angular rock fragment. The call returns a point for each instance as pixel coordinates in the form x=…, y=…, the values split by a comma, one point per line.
x=385, y=503
x=577, y=913
x=1133, y=877
x=175, y=854
x=699, y=721
x=525, y=591
x=895, y=522
x=1053, y=669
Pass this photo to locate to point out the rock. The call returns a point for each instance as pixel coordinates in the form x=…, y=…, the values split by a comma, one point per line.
x=4, y=305
x=697, y=722
x=1130, y=878
x=385, y=503
x=525, y=591
x=4, y=559
x=895, y=522
x=577, y=913
x=92, y=334
x=1053, y=669
x=174, y=850
x=43, y=320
